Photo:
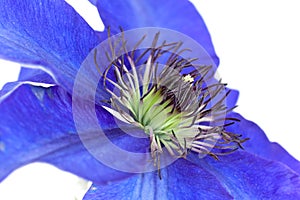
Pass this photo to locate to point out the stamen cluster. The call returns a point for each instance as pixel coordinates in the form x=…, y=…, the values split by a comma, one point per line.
x=178, y=105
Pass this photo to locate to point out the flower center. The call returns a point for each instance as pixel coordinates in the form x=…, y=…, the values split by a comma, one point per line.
x=174, y=104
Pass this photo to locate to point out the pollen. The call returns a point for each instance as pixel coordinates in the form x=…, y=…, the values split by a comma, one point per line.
x=188, y=78
x=177, y=105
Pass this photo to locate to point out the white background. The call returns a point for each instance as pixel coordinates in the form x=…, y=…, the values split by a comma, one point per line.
x=258, y=44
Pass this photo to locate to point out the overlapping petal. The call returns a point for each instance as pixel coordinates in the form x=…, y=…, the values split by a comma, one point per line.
x=181, y=180
x=36, y=124
x=247, y=176
x=238, y=176
x=45, y=33
x=180, y=16
x=260, y=145
x=36, y=75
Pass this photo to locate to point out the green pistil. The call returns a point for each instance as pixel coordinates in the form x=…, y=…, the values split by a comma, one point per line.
x=158, y=119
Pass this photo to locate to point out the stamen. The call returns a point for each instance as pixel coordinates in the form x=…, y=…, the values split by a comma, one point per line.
x=178, y=111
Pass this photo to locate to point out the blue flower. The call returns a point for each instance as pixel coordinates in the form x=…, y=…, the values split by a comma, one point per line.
x=36, y=123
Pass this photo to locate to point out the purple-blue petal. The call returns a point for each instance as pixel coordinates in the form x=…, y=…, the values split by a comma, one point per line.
x=94, y=2
x=181, y=16
x=46, y=33
x=240, y=175
x=232, y=97
x=36, y=124
x=259, y=144
x=35, y=75
x=248, y=176
x=181, y=180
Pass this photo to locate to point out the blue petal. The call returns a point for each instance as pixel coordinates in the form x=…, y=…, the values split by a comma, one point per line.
x=94, y=2
x=36, y=124
x=45, y=33
x=247, y=176
x=35, y=75
x=259, y=143
x=239, y=176
x=181, y=180
x=180, y=16
x=232, y=98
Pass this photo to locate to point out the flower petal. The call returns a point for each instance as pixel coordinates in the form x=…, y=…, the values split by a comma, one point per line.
x=35, y=75
x=94, y=2
x=239, y=176
x=180, y=16
x=36, y=124
x=247, y=176
x=259, y=143
x=44, y=33
x=232, y=97
x=181, y=180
